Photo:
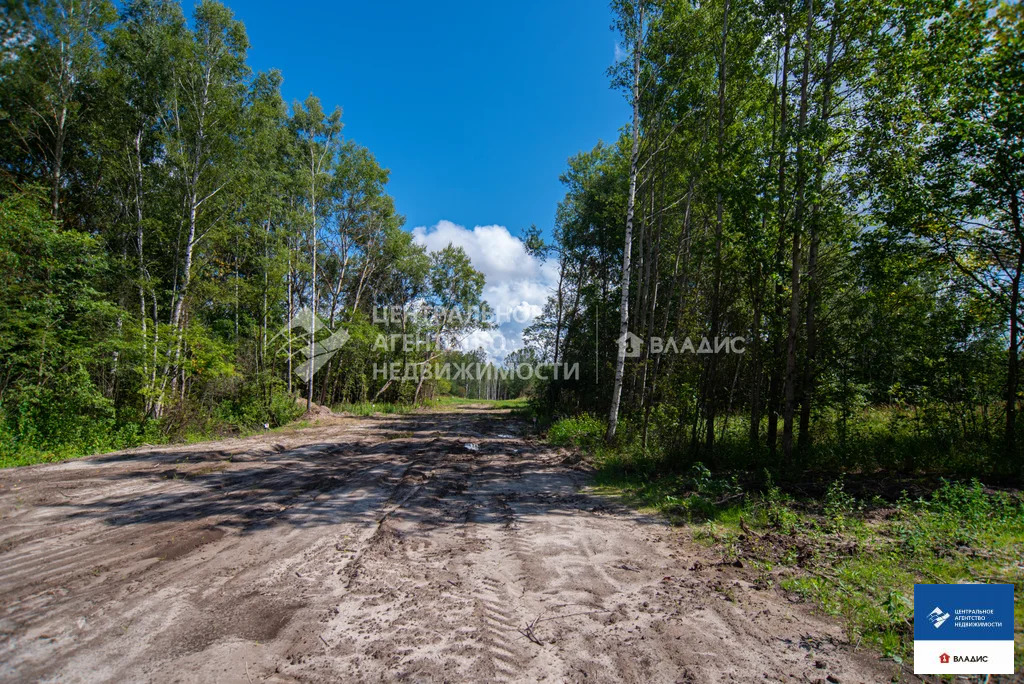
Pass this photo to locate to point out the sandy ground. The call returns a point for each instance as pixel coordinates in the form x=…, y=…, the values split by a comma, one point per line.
x=429, y=547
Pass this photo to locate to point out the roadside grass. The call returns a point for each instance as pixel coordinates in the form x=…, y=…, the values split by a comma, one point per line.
x=859, y=560
x=520, y=403
x=31, y=434
x=886, y=438
x=106, y=438
x=855, y=557
x=197, y=437
x=16, y=452
x=368, y=408
x=31, y=456
x=150, y=437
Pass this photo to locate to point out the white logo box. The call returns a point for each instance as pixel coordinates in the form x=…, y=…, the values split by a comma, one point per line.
x=998, y=657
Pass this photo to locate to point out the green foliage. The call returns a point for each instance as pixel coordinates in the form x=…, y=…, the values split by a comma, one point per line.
x=252, y=406
x=961, y=532
x=777, y=512
x=866, y=570
x=837, y=507
x=164, y=215
x=701, y=495
x=55, y=331
x=368, y=408
x=845, y=194
x=583, y=432
x=856, y=559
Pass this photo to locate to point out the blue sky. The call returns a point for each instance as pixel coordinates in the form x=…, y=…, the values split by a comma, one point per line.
x=474, y=107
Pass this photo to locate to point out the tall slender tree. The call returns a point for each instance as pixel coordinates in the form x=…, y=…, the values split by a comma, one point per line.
x=318, y=138
x=631, y=16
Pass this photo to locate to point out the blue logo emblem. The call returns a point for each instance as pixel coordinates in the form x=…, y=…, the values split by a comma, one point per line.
x=937, y=617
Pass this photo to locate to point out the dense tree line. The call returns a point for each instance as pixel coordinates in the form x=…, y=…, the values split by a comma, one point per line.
x=166, y=214
x=838, y=182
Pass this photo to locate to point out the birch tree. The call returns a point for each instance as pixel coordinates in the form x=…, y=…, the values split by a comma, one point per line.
x=54, y=83
x=207, y=96
x=630, y=22
x=317, y=135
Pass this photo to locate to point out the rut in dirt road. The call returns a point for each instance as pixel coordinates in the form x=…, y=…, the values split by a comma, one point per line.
x=434, y=546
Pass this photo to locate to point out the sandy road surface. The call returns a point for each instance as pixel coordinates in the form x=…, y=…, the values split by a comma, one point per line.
x=375, y=549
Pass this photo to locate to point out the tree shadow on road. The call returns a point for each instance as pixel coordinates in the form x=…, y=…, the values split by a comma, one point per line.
x=434, y=468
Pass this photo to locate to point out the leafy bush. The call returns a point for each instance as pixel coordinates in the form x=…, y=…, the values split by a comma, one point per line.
x=778, y=511
x=369, y=408
x=838, y=506
x=55, y=328
x=250, y=405
x=583, y=432
x=700, y=480
x=282, y=409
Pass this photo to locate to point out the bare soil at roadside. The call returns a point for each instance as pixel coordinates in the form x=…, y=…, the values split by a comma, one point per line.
x=434, y=546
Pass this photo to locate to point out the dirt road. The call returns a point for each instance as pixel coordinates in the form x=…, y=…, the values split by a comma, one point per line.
x=429, y=547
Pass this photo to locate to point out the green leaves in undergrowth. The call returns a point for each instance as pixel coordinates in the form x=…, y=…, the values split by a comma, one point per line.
x=582, y=431
x=702, y=481
x=777, y=511
x=369, y=408
x=701, y=494
x=626, y=457
x=857, y=559
x=860, y=562
x=837, y=507
x=254, y=404
x=955, y=519
x=56, y=334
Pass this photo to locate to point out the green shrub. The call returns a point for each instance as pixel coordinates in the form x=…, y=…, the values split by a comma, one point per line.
x=838, y=507
x=282, y=409
x=582, y=432
x=369, y=408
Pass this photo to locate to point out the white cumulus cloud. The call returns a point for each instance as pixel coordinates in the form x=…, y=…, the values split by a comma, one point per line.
x=517, y=284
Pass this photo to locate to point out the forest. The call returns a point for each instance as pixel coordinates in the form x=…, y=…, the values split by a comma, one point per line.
x=836, y=183
x=783, y=312
x=166, y=214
